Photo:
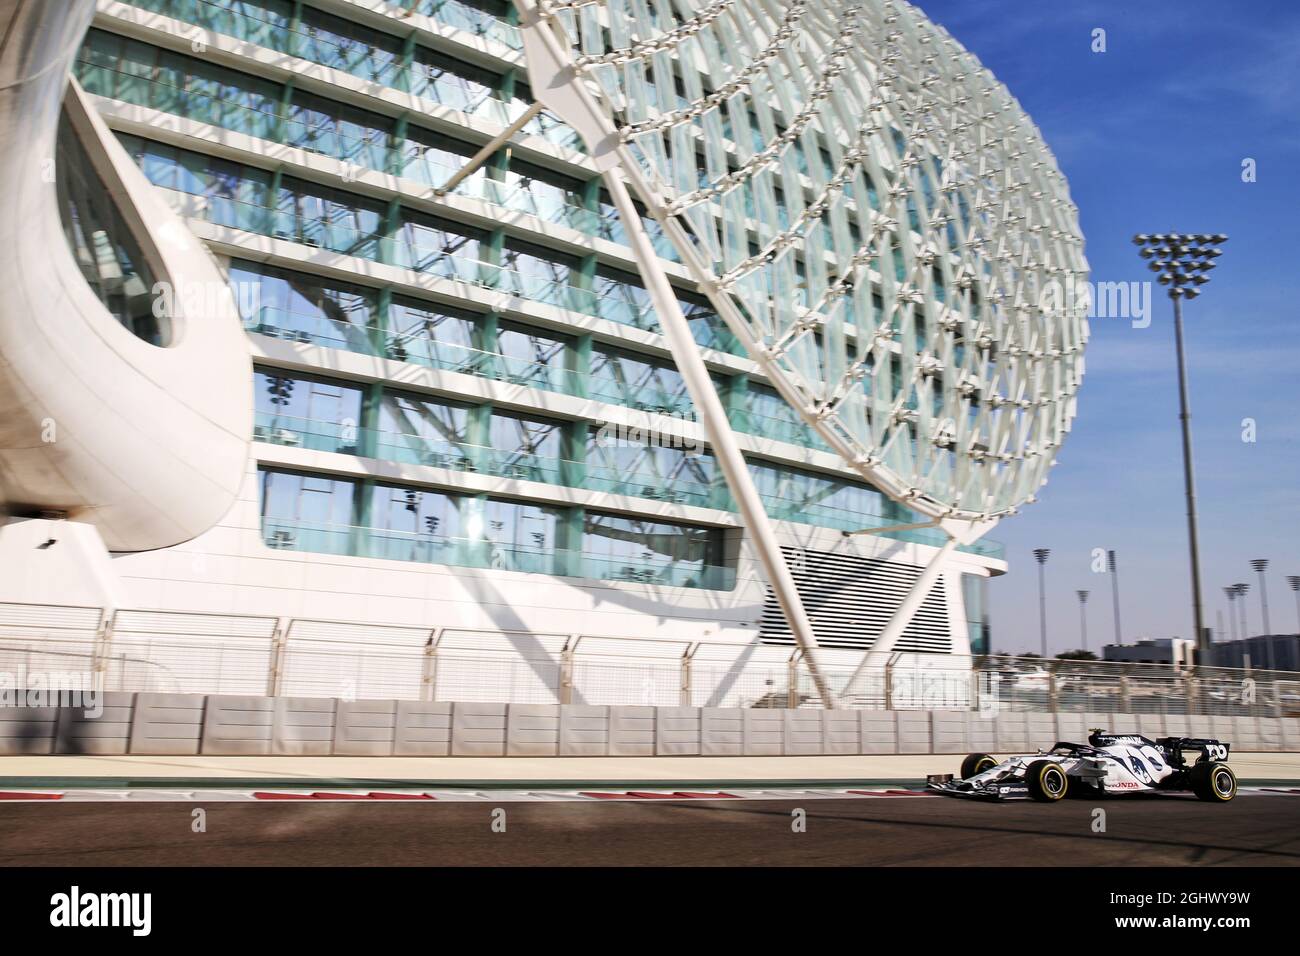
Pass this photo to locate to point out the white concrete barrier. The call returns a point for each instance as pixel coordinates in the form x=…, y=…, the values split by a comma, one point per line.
x=237, y=726
x=879, y=729
x=107, y=731
x=478, y=730
x=533, y=730
x=167, y=724
x=365, y=728
x=722, y=732
x=948, y=732
x=1179, y=725
x=1245, y=733
x=981, y=733
x=841, y=732
x=803, y=732
x=1270, y=734
x=234, y=725
x=584, y=730
x=764, y=731
x=303, y=726
x=1012, y=732
x=914, y=732
x=677, y=731
x=1220, y=727
x=632, y=731
x=1151, y=725
x=1072, y=728
x=28, y=730
x=422, y=729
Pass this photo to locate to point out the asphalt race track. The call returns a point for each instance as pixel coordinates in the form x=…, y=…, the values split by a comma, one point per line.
x=1256, y=829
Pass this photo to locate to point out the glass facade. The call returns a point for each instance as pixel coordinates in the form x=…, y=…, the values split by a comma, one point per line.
x=400, y=523
x=447, y=326
x=975, y=595
x=110, y=258
x=396, y=425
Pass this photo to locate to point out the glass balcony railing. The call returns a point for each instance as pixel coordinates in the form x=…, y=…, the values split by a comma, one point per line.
x=349, y=439
x=393, y=545
x=261, y=26
x=375, y=149
x=778, y=429
x=317, y=329
x=386, y=66
x=410, y=253
x=472, y=20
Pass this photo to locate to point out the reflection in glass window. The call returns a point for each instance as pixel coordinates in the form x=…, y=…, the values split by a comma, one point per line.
x=521, y=535
x=305, y=411
x=532, y=358
x=975, y=595
x=640, y=382
x=435, y=336
x=303, y=308
x=109, y=256
x=421, y=429
x=307, y=512
x=640, y=550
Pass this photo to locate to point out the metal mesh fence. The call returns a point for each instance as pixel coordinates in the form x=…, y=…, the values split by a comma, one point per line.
x=241, y=654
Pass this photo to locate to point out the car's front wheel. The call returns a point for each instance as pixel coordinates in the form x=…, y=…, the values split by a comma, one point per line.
x=1213, y=782
x=1047, y=780
x=977, y=764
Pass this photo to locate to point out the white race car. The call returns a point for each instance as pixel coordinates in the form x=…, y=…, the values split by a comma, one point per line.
x=1108, y=764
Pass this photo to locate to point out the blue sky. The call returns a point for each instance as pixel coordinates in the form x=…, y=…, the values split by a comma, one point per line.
x=1151, y=135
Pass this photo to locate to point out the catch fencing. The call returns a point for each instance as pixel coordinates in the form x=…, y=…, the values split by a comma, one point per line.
x=263, y=656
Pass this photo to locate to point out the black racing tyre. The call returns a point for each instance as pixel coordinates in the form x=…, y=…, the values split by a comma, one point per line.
x=1047, y=780
x=1213, y=782
x=977, y=763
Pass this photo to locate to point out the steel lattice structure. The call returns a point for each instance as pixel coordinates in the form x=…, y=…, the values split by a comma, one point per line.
x=874, y=216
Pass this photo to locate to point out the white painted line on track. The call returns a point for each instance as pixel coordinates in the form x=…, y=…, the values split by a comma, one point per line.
x=394, y=795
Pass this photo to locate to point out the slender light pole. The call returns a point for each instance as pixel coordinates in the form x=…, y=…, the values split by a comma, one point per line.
x=1041, y=555
x=1113, y=567
x=1294, y=581
x=1183, y=263
x=1083, y=617
x=1231, y=593
x=1261, y=565
x=1242, y=590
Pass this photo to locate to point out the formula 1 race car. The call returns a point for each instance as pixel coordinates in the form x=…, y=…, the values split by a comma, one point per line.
x=1109, y=764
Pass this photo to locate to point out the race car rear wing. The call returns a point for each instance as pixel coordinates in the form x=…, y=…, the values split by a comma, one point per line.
x=1209, y=748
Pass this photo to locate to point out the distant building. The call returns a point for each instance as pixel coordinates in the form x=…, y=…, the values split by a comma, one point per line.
x=1163, y=650
x=1253, y=652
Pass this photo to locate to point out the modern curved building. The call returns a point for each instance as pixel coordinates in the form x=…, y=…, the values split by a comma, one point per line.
x=413, y=369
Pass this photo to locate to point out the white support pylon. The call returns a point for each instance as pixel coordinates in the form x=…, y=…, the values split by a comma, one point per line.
x=552, y=79
x=713, y=416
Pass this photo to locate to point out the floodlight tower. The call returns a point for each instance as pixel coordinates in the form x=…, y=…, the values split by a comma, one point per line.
x=1294, y=581
x=1260, y=565
x=1041, y=555
x=1183, y=264
x=1242, y=589
x=1231, y=593
x=1083, y=617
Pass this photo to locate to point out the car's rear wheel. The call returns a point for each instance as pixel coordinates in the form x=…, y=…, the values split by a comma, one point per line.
x=976, y=764
x=1047, y=780
x=1213, y=782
